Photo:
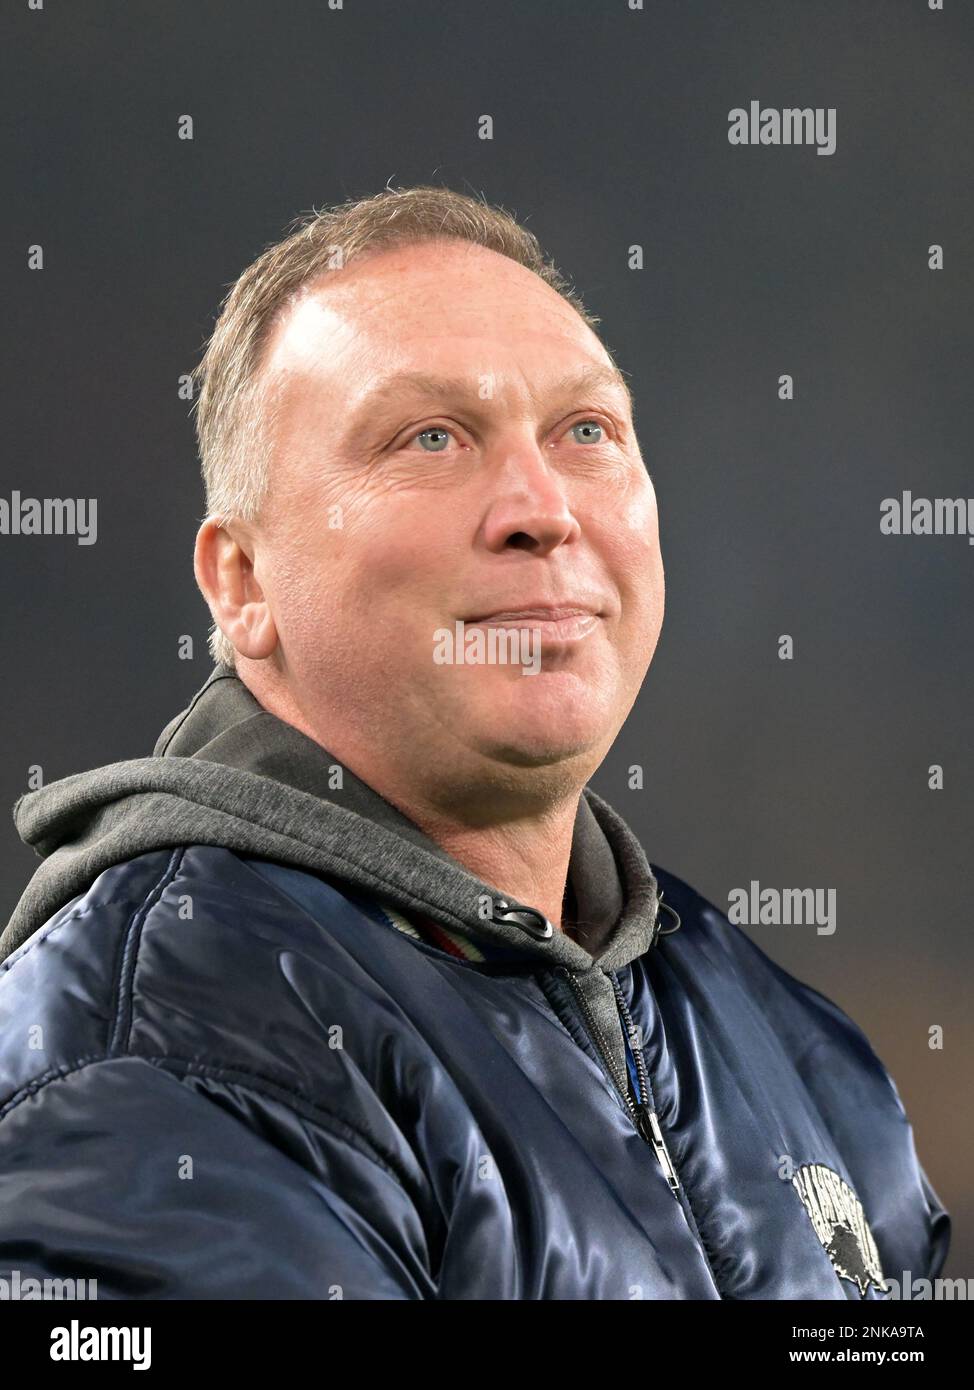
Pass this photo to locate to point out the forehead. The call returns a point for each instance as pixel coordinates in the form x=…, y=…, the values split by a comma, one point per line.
x=451, y=309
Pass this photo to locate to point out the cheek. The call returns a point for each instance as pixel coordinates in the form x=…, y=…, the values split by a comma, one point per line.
x=632, y=536
x=355, y=589
x=640, y=513
x=302, y=601
x=632, y=548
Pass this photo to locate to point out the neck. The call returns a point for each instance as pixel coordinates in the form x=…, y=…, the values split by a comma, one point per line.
x=526, y=859
x=511, y=827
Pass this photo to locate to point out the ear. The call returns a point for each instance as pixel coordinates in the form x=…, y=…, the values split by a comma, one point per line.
x=224, y=567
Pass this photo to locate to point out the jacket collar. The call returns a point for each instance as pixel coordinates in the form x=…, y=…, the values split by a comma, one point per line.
x=227, y=772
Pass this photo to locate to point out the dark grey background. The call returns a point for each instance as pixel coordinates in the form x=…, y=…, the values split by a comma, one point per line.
x=610, y=129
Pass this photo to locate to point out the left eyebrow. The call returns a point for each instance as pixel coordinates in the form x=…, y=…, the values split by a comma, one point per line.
x=417, y=384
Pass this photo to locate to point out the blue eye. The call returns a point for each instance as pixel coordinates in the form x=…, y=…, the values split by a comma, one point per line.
x=437, y=437
x=589, y=437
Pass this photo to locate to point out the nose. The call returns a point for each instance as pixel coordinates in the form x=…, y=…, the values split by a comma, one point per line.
x=529, y=507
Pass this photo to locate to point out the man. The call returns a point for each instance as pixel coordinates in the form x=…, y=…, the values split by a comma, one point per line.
x=354, y=988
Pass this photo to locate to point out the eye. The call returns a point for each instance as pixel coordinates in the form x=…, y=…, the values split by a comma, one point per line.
x=589, y=432
x=434, y=439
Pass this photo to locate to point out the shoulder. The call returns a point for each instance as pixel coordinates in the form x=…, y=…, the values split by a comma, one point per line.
x=772, y=1026
x=171, y=956
x=806, y=1022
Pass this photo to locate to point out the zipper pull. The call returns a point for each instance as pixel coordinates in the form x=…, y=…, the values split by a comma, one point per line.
x=537, y=924
x=649, y=1128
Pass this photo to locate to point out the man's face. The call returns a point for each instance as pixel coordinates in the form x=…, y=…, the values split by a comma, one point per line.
x=400, y=505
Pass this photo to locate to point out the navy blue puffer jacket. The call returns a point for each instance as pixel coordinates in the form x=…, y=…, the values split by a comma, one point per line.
x=340, y=1067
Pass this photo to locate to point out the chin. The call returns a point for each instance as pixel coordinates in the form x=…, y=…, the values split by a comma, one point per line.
x=547, y=725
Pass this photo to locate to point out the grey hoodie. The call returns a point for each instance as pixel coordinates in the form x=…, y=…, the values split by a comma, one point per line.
x=227, y=772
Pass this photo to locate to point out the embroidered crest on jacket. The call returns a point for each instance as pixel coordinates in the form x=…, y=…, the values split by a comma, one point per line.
x=840, y=1223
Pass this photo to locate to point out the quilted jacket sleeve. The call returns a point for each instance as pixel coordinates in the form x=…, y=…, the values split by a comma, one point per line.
x=165, y=1186
x=940, y=1228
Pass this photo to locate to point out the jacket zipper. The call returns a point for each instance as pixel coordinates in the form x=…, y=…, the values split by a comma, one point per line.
x=640, y=1106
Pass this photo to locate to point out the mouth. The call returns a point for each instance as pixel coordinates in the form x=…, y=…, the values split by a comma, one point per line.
x=561, y=623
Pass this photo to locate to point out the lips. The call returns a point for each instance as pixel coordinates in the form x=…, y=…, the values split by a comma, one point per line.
x=563, y=625
x=541, y=612
x=535, y=615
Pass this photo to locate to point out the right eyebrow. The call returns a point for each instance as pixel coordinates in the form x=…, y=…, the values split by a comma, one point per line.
x=405, y=385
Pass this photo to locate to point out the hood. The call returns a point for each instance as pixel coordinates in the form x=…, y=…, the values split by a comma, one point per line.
x=227, y=772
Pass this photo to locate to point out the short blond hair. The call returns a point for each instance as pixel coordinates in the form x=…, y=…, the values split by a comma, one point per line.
x=233, y=411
